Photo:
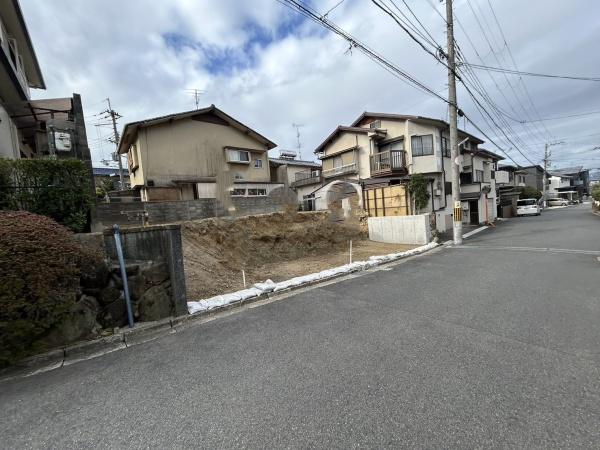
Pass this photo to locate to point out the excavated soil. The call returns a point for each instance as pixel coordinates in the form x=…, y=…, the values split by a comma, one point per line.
x=276, y=246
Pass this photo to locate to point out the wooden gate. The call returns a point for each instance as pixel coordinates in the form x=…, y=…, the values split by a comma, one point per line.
x=387, y=201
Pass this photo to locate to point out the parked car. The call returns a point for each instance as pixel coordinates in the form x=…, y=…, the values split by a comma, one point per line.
x=558, y=202
x=528, y=207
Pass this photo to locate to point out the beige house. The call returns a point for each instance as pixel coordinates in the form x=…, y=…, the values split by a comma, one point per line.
x=196, y=154
x=380, y=149
x=303, y=177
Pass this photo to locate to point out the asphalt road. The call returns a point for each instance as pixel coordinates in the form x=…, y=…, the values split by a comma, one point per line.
x=496, y=344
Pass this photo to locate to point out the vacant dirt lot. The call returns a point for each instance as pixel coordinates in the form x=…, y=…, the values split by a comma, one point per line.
x=275, y=246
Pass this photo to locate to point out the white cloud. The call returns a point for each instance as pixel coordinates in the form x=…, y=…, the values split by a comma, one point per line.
x=274, y=71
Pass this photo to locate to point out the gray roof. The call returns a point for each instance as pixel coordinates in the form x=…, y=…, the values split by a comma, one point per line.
x=293, y=162
x=130, y=130
x=568, y=170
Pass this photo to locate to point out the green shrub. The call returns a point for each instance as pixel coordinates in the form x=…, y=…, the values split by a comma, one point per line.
x=40, y=264
x=596, y=193
x=60, y=189
x=417, y=187
x=530, y=192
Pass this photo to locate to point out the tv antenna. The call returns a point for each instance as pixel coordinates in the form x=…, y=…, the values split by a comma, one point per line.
x=297, y=126
x=196, y=93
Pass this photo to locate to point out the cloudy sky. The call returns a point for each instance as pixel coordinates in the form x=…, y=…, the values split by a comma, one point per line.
x=270, y=68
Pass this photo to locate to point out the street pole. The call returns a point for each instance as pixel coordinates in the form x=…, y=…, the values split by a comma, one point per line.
x=453, y=117
x=545, y=187
x=113, y=115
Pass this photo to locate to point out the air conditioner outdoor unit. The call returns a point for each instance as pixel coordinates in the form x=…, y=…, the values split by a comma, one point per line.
x=437, y=192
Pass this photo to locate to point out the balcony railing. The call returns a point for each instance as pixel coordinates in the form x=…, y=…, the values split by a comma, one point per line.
x=341, y=170
x=390, y=161
x=305, y=178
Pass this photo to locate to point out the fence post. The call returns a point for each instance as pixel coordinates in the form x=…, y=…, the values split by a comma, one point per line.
x=123, y=274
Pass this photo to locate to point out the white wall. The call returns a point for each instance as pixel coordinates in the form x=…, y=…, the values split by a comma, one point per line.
x=400, y=229
x=9, y=147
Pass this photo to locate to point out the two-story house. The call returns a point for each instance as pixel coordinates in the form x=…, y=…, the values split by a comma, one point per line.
x=509, y=182
x=46, y=128
x=303, y=177
x=203, y=153
x=578, y=180
x=380, y=149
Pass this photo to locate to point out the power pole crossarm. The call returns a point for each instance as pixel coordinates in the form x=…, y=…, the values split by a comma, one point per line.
x=453, y=119
x=113, y=115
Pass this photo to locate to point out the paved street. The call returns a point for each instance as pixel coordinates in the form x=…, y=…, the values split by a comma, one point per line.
x=461, y=348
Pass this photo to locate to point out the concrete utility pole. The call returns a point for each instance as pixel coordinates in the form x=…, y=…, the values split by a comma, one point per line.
x=114, y=116
x=545, y=184
x=547, y=155
x=453, y=119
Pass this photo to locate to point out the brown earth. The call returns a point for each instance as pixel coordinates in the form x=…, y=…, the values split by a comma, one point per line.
x=276, y=246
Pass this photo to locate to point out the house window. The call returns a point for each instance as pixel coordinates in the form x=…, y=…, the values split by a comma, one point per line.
x=258, y=164
x=393, y=146
x=422, y=145
x=478, y=176
x=133, y=158
x=238, y=156
x=466, y=178
x=257, y=192
x=375, y=124
x=445, y=148
x=337, y=161
x=238, y=192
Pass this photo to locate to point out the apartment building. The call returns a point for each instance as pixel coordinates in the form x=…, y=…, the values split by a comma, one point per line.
x=381, y=149
x=48, y=128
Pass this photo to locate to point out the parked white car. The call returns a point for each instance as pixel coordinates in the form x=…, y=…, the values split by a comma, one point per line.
x=528, y=207
x=558, y=202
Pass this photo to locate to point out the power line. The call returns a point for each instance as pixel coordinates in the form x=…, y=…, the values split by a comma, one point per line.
x=566, y=116
x=530, y=74
x=313, y=15
x=510, y=54
x=491, y=47
x=438, y=58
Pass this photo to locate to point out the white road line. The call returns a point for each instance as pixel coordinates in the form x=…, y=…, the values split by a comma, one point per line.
x=529, y=249
x=471, y=233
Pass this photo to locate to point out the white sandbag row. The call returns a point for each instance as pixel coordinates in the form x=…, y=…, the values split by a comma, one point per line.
x=270, y=286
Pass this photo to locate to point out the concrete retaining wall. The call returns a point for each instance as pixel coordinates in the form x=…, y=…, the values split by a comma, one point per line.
x=132, y=214
x=400, y=229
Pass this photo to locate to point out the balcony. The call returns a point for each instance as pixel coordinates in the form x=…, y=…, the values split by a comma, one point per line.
x=340, y=170
x=388, y=162
x=306, y=178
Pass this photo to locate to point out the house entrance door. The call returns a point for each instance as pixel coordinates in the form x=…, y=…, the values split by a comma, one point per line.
x=474, y=212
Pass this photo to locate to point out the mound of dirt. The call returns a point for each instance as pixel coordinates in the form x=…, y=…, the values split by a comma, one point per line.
x=217, y=249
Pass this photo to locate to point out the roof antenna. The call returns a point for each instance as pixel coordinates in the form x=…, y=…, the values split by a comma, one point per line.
x=297, y=126
x=196, y=93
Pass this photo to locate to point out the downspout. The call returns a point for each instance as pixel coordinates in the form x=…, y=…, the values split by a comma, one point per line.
x=443, y=173
x=433, y=205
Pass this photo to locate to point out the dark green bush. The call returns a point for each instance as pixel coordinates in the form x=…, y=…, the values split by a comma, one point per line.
x=40, y=263
x=60, y=189
x=530, y=192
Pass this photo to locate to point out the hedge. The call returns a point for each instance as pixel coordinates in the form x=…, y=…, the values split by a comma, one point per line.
x=60, y=189
x=40, y=267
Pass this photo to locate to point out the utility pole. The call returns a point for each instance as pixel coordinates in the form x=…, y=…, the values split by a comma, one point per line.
x=545, y=185
x=453, y=119
x=114, y=116
x=547, y=155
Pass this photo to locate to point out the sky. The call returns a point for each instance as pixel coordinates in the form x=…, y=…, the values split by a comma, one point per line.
x=270, y=68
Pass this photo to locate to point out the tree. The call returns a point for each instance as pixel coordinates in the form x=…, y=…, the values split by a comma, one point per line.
x=530, y=192
x=417, y=187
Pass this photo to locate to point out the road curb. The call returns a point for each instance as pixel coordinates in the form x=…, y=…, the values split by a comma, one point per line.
x=148, y=331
